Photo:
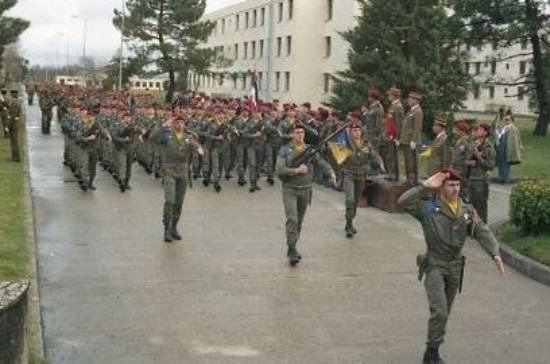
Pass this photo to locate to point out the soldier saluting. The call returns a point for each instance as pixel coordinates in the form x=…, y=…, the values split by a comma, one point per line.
x=446, y=221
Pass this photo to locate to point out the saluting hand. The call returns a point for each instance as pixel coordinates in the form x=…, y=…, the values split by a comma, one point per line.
x=436, y=180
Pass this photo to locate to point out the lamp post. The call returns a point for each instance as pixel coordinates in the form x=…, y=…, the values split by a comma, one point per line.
x=121, y=50
x=271, y=24
x=85, y=20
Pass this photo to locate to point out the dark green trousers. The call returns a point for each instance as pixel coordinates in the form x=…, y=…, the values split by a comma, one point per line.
x=295, y=202
x=441, y=284
x=479, y=195
x=353, y=189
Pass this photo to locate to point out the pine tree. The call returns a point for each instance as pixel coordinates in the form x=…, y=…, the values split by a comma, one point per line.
x=167, y=32
x=10, y=28
x=508, y=22
x=409, y=44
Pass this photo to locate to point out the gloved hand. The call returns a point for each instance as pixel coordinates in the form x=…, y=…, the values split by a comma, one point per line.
x=397, y=142
x=413, y=145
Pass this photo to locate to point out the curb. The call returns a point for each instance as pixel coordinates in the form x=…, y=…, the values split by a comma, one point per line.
x=525, y=265
x=36, y=341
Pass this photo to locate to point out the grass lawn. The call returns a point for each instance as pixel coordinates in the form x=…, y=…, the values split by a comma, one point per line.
x=535, y=247
x=13, y=231
x=536, y=152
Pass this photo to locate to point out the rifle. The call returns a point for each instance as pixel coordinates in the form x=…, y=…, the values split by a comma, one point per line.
x=311, y=151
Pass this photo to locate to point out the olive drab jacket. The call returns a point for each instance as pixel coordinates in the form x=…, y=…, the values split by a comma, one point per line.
x=445, y=232
x=287, y=175
x=361, y=161
x=411, y=130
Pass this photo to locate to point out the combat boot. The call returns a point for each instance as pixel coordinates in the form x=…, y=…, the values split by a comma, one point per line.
x=348, y=228
x=293, y=256
x=217, y=187
x=167, y=234
x=174, y=233
x=91, y=184
x=270, y=181
x=127, y=185
x=431, y=356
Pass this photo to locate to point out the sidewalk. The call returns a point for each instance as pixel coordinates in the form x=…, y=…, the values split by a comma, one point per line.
x=112, y=292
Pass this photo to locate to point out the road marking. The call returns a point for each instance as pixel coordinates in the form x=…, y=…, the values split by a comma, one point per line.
x=240, y=351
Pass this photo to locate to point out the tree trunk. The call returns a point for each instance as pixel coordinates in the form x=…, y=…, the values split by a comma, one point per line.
x=538, y=70
x=171, y=85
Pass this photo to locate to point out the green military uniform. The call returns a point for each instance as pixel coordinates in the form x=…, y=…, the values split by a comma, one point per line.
x=478, y=179
x=123, y=138
x=254, y=143
x=374, y=124
x=4, y=115
x=410, y=138
x=357, y=166
x=14, y=116
x=274, y=137
x=46, y=103
x=177, y=151
x=459, y=162
x=87, y=139
x=445, y=233
x=296, y=194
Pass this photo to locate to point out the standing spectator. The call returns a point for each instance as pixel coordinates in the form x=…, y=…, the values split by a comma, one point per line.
x=509, y=149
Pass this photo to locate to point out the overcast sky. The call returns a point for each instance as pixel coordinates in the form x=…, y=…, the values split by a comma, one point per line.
x=54, y=35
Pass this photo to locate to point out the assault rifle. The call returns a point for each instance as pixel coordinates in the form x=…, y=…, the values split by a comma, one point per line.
x=310, y=151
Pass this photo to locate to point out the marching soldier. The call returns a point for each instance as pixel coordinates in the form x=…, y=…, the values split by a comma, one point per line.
x=297, y=188
x=411, y=136
x=46, y=103
x=362, y=159
x=446, y=220
x=14, y=115
x=253, y=136
x=459, y=161
x=440, y=155
x=177, y=148
x=480, y=162
x=123, y=137
x=273, y=142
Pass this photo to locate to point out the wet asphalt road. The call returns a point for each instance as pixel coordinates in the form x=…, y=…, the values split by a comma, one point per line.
x=113, y=292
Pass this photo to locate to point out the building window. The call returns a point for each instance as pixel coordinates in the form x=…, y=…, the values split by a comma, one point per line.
x=246, y=19
x=262, y=48
x=222, y=78
x=522, y=66
x=279, y=46
x=151, y=84
x=290, y=9
x=491, y=92
x=243, y=84
x=493, y=67
x=328, y=46
x=330, y=9
x=262, y=17
x=520, y=93
x=327, y=83
x=288, y=45
x=287, y=81
x=524, y=44
x=234, y=81
x=137, y=84
x=253, y=50
x=507, y=66
x=236, y=51
x=506, y=91
x=277, y=80
x=280, y=17
x=478, y=68
x=245, y=50
x=476, y=91
x=157, y=85
x=467, y=67
x=254, y=18
x=223, y=26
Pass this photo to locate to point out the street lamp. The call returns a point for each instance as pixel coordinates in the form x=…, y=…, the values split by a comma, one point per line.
x=85, y=20
x=121, y=50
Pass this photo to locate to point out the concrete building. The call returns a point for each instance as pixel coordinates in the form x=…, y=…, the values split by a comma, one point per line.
x=497, y=72
x=306, y=49
x=304, y=44
x=149, y=83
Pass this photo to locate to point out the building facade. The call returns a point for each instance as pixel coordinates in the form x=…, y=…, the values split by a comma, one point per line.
x=292, y=59
x=149, y=83
x=498, y=74
x=306, y=49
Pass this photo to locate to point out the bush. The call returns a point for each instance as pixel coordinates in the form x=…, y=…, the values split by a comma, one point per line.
x=530, y=206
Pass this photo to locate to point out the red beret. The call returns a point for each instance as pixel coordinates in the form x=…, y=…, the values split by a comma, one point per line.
x=298, y=126
x=374, y=93
x=355, y=114
x=485, y=126
x=453, y=175
x=463, y=126
x=336, y=114
x=355, y=125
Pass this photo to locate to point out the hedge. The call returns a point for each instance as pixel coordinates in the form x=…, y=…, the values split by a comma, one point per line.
x=530, y=206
